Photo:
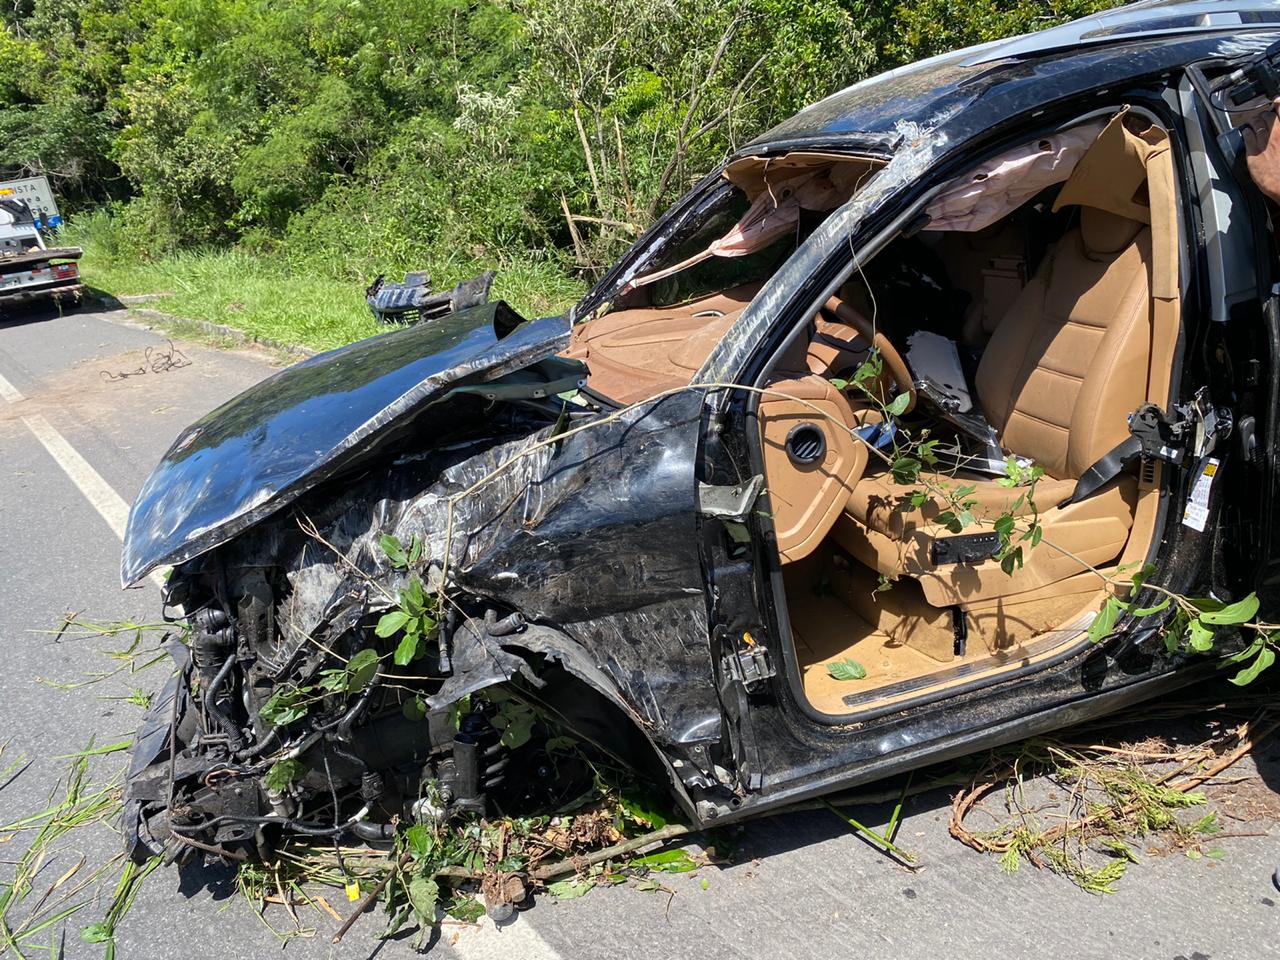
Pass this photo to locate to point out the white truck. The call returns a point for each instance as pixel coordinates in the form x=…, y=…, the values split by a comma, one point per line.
x=29, y=268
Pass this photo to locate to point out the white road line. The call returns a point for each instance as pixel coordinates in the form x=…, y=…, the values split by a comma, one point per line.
x=100, y=494
x=109, y=504
x=10, y=392
x=97, y=491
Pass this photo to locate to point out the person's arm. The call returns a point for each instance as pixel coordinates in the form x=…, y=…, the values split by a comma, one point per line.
x=1262, y=151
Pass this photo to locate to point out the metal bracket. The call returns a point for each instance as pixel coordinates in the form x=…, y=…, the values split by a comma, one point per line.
x=1190, y=429
x=729, y=503
x=750, y=665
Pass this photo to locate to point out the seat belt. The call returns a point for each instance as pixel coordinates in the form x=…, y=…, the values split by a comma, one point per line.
x=1192, y=428
x=1109, y=466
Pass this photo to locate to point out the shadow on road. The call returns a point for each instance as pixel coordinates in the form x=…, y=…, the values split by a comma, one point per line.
x=43, y=311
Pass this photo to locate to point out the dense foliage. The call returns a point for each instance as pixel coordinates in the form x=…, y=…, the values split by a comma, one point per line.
x=359, y=135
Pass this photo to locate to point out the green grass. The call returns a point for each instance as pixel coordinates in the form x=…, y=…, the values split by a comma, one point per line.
x=268, y=297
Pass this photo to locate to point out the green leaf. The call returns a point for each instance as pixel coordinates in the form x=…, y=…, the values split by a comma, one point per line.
x=457, y=710
x=1242, y=611
x=1011, y=561
x=644, y=808
x=362, y=667
x=391, y=623
x=1199, y=637
x=898, y=405
x=283, y=773
x=1174, y=633
x=846, y=669
x=334, y=681
x=285, y=706
x=465, y=908
x=1142, y=575
x=1215, y=853
x=412, y=597
x=1105, y=621
x=424, y=895
x=667, y=861
x=415, y=709
x=841, y=385
x=415, y=550
x=919, y=498
x=394, y=550
x=1248, y=652
x=516, y=725
x=1265, y=658
x=407, y=649
x=1004, y=526
x=96, y=933
x=905, y=470
x=420, y=840
x=869, y=369
x=1148, y=611
x=569, y=889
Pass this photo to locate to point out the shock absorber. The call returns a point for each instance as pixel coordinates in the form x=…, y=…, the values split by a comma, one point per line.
x=213, y=651
x=478, y=764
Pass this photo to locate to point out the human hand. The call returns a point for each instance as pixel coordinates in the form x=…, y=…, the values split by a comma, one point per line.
x=1262, y=150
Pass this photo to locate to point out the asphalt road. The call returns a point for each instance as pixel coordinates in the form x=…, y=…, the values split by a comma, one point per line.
x=800, y=885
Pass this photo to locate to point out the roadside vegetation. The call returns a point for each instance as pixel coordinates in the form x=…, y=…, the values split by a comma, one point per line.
x=263, y=162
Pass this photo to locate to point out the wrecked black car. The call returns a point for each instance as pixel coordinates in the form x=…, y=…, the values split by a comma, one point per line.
x=747, y=518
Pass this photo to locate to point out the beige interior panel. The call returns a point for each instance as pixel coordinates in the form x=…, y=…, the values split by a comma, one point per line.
x=635, y=354
x=990, y=266
x=848, y=173
x=826, y=628
x=806, y=498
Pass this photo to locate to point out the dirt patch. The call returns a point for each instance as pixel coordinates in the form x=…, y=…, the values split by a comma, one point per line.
x=151, y=380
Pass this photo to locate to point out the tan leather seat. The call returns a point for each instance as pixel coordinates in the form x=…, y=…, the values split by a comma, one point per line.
x=1062, y=371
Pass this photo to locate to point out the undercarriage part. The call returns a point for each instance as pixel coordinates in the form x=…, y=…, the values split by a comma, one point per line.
x=220, y=780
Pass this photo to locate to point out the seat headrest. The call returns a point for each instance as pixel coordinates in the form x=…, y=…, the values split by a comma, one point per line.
x=1112, y=175
x=1106, y=234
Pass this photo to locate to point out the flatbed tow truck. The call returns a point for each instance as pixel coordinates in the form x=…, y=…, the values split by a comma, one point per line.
x=29, y=268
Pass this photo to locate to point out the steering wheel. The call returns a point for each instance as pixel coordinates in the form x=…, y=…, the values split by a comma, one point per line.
x=894, y=369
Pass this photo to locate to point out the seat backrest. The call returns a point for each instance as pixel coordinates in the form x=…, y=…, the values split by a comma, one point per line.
x=1070, y=360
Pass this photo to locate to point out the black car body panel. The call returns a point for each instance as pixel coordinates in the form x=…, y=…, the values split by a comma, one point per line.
x=598, y=550
x=261, y=450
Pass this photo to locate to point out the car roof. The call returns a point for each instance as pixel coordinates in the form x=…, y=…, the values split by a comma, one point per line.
x=972, y=89
x=1149, y=18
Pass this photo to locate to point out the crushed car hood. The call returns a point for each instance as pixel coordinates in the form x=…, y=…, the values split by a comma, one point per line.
x=263, y=449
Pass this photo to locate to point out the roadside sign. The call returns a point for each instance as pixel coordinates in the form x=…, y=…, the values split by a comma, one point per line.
x=39, y=197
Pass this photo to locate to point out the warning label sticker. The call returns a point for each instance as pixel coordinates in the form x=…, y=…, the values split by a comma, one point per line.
x=1197, y=513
